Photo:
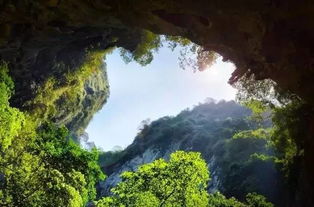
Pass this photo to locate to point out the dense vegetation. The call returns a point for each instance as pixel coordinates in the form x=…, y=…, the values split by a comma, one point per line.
x=40, y=165
x=181, y=181
x=291, y=118
x=192, y=56
x=72, y=98
x=236, y=149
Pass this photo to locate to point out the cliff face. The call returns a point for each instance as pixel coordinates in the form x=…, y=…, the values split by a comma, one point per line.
x=208, y=129
x=43, y=40
x=151, y=154
x=57, y=65
x=92, y=96
x=271, y=39
x=70, y=98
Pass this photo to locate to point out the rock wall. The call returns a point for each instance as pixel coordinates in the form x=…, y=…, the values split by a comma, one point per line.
x=268, y=38
x=206, y=129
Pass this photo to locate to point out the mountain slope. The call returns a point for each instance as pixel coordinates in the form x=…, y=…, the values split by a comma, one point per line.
x=235, y=164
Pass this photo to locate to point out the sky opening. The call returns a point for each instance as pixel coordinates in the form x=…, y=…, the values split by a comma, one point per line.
x=160, y=89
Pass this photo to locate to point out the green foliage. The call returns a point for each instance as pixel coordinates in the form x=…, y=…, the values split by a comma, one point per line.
x=236, y=146
x=196, y=57
x=289, y=133
x=191, y=55
x=11, y=120
x=66, y=99
x=248, y=165
x=41, y=167
x=19, y=168
x=289, y=115
x=66, y=156
x=180, y=182
x=252, y=200
x=255, y=200
x=48, y=170
x=16, y=131
x=108, y=158
x=286, y=133
x=175, y=41
x=219, y=200
x=143, y=54
x=258, y=108
x=260, y=133
x=5, y=80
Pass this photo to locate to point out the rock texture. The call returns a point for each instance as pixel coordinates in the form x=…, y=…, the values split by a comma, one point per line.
x=206, y=129
x=148, y=156
x=91, y=99
x=268, y=38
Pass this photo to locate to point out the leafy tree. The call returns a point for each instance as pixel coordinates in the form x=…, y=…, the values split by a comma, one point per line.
x=252, y=200
x=191, y=55
x=11, y=119
x=289, y=134
x=180, y=182
x=239, y=148
x=289, y=116
x=255, y=200
x=40, y=166
x=196, y=57
x=62, y=97
x=67, y=157
x=48, y=170
x=219, y=200
x=143, y=54
x=286, y=134
x=16, y=131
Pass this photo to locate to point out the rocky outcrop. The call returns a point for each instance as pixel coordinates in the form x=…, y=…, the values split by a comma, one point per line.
x=43, y=50
x=207, y=129
x=267, y=38
x=150, y=155
x=76, y=116
x=271, y=39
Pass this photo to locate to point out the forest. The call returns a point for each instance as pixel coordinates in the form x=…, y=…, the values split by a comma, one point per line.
x=236, y=149
x=255, y=151
x=43, y=165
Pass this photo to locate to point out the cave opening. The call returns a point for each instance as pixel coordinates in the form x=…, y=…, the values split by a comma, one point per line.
x=156, y=97
x=161, y=88
x=50, y=50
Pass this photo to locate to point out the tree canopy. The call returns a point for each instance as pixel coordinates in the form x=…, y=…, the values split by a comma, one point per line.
x=192, y=56
x=39, y=165
x=181, y=181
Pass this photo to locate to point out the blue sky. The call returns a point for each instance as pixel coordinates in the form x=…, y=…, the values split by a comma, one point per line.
x=160, y=89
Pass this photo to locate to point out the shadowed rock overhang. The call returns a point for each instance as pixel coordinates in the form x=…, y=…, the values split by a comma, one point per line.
x=268, y=38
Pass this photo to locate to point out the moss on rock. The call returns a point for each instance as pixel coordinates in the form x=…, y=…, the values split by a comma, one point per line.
x=73, y=98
